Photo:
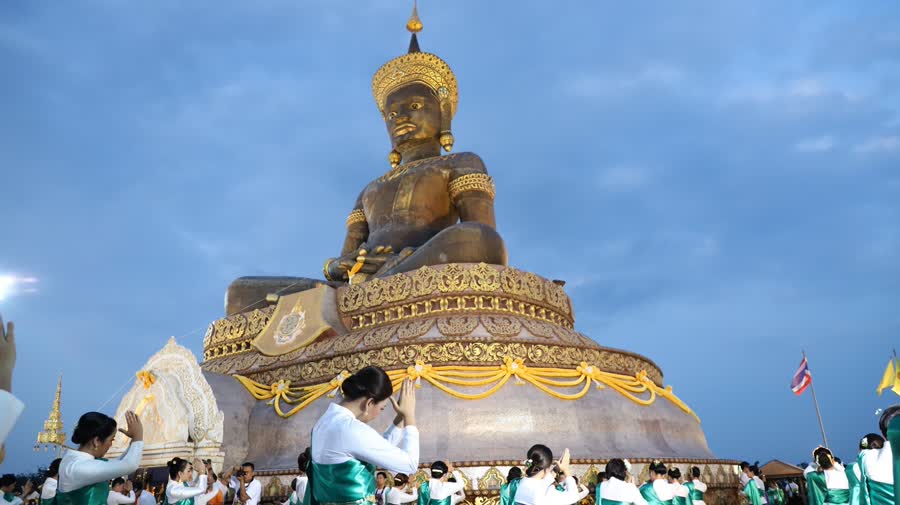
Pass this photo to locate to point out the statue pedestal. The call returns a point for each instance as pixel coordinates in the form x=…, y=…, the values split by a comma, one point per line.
x=451, y=328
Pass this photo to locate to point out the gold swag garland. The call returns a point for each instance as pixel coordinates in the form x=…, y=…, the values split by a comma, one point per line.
x=448, y=376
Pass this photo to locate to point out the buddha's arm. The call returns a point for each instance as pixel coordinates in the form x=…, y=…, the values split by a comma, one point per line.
x=477, y=207
x=472, y=191
x=357, y=233
x=357, y=227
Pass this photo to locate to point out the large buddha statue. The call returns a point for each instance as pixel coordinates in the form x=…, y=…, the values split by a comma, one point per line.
x=428, y=209
x=421, y=288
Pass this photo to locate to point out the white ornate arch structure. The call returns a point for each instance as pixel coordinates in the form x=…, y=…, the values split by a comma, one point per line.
x=177, y=407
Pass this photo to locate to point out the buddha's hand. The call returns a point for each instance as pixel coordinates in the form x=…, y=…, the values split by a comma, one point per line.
x=339, y=269
x=336, y=269
x=373, y=260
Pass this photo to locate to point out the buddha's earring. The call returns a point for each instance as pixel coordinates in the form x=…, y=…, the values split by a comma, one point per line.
x=446, y=140
x=394, y=157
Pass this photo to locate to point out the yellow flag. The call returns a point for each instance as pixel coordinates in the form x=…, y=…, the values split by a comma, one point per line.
x=889, y=378
x=896, y=387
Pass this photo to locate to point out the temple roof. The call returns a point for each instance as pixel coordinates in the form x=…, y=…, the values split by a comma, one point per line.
x=776, y=468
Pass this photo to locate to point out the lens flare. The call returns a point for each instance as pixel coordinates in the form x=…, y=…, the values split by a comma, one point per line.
x=11, y=285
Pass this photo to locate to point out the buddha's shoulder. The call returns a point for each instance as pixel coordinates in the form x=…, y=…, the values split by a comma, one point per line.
x=464, y=163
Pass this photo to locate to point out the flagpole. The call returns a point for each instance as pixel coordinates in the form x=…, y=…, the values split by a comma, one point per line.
x=816, y=400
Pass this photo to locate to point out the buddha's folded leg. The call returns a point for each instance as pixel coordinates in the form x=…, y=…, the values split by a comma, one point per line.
x=462, y=243
x=248, y=293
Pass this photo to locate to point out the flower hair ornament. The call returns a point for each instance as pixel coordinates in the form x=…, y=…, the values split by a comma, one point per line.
x=528, y=463
x=627, y=465
x=821, y=448
x=864, y=443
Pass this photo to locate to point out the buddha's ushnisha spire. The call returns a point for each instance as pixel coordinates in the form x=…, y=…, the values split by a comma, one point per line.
x=414, y=25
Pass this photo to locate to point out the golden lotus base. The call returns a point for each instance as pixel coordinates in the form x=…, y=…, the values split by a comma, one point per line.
x=450, y=314
x=492, y=348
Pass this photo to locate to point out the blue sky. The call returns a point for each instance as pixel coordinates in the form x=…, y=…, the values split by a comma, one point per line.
x=718, y=182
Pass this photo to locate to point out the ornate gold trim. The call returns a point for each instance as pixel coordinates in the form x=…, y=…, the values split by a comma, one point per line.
x=455, y=279
x=472, y=182
x=356, y=216
x=302, y=370
x=450, y=305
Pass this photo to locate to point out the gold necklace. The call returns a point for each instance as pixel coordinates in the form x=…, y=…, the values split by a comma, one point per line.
x=400, y=170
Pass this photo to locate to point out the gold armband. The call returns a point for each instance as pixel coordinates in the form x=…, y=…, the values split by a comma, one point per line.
x=472, y=182
x=357, y=216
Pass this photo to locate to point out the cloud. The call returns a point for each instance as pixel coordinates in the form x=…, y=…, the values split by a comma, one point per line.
x=224, y=256
x=599, y=84
x=878, y=144
x=763, y=91
x=815, y=145
x=806, y=88
x=707, y=246
x=623, y=178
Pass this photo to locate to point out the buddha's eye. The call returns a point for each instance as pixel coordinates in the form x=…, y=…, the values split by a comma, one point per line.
x=392, y=115
x=415, y=106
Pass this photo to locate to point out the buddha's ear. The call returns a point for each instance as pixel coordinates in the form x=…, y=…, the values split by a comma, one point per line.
x=446, y=138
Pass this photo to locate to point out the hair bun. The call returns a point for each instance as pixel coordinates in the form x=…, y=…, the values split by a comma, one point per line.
x=351, y=387
x=370, y=382
x=93, y=425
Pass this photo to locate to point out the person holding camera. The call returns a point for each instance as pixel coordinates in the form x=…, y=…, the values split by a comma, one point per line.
x=247, y=489
x=539, y=485
x=346, y=450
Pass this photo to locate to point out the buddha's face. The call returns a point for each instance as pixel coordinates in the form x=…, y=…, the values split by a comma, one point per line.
x=412, y=113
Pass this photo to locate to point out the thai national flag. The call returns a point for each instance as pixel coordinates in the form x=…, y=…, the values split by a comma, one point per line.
x=802, y=378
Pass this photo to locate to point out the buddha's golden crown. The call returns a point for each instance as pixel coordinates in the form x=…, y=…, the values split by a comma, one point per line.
x=416, y=66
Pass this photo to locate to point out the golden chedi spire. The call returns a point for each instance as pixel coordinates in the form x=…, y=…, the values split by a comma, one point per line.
x=419, y=67
x=53, y=433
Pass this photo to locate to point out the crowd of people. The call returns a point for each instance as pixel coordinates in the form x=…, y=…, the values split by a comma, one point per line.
x=339, y=467
x=867, y=480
